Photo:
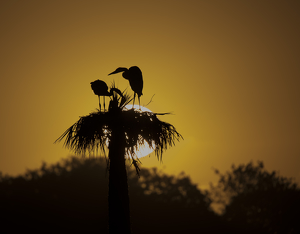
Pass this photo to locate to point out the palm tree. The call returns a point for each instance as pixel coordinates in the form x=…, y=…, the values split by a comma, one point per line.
x=122, y=130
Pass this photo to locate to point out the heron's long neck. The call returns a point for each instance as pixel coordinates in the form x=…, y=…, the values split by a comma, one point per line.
x=125, y=74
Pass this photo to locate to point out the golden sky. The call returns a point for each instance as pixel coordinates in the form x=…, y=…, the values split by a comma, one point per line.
x=228, y=70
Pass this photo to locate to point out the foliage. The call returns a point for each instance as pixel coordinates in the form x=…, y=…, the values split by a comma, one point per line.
x=71, y=196
x=123, y=130
x=257, y=201
x=92, y=132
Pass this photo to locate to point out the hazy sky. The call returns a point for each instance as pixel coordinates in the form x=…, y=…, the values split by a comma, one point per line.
x=228, y=70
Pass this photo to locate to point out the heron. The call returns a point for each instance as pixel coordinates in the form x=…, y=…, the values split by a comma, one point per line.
x=100, y=88
x=135, y=77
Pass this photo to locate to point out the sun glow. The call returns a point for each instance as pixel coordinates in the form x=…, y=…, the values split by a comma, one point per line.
x=141, y=150
x=137, y=107
x=145, y=149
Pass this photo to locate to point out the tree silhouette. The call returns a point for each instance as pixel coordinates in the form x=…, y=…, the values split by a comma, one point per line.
x=123, y=130
x=257, y=201
x=71, y=197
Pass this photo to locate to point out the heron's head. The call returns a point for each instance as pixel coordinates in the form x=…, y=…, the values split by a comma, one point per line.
x=119, y=69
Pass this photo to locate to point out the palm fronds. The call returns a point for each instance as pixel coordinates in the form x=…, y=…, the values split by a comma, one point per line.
x=88, y=134
x=141, y=127
x=93, y=132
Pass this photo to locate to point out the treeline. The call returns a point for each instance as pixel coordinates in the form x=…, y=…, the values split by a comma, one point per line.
x=71, y=197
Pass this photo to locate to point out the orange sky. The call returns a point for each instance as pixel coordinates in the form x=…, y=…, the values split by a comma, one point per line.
x=228, y=70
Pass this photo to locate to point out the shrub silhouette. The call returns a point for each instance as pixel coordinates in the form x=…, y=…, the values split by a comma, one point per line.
x=257, y=201
x=71, y=196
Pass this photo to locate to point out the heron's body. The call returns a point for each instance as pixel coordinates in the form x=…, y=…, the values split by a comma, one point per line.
x=135, y=78
x=100, y=88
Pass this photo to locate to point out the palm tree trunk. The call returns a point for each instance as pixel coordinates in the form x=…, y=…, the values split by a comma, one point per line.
x=118, y=198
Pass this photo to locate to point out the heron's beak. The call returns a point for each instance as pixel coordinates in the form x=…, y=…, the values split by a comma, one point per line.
x=120, y=69
x=114, y=72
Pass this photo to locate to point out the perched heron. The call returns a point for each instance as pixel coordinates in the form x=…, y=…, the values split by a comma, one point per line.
x=100, y=88
x=135, y=77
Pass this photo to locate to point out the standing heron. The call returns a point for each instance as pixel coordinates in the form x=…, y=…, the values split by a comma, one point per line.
x=100, y=88
x=135, y=77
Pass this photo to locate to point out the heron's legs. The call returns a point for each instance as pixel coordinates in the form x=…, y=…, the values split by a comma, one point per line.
x=104, y=102
x=139, y=102
x=99, y=103
x=133, y=101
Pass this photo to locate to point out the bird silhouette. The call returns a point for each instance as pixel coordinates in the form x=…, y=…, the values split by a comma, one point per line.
x=135, y=77
x=100, y=88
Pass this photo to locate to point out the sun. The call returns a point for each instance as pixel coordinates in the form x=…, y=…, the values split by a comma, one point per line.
x=145, y=149
x=137, y=107
x=141, y=150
